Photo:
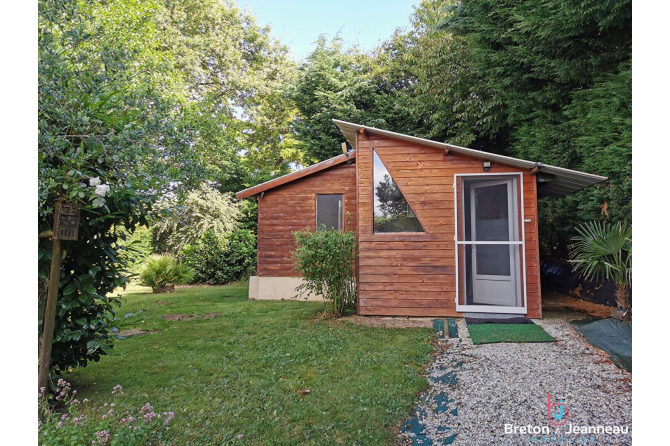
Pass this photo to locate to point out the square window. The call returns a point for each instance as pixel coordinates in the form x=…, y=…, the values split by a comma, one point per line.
x=330, y=212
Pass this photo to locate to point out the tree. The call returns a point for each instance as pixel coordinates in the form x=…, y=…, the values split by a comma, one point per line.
x=110, y=136
x=332, y=83
x=428, y=83
x=236, y=75
x=149, y=97
x=392, y=203
x=188, y=220
x=555, y=82
x=605, y=251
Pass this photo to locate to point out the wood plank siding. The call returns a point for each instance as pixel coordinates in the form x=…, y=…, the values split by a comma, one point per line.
x=413, y=274
x=291, y=207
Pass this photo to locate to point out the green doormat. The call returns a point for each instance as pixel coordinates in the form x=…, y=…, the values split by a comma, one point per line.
x=492, y=333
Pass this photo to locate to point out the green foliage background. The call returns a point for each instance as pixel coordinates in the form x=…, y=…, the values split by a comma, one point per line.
x=220, y=260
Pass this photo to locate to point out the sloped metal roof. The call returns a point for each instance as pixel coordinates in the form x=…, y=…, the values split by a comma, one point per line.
x=314, y=168
x=564, y=181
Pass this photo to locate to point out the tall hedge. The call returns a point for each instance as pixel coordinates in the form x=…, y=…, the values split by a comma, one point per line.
x=219, y=260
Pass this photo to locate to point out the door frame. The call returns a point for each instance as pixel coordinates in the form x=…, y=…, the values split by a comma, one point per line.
x=522, y=243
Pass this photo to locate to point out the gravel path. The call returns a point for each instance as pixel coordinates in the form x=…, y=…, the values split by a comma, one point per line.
x=494, y=385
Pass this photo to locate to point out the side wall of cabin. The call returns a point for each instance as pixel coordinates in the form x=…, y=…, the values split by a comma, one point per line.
x=413, y=274
x=292, y=207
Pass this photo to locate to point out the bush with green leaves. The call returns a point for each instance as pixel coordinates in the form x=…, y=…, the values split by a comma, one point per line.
x=327, y=261
x=217, y=261
x=187, y=220
x=160, y=270
x=604, y=251
x=78, y=422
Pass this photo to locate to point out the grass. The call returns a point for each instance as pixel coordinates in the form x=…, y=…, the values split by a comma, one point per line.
x=242, y=372
x=492, y=333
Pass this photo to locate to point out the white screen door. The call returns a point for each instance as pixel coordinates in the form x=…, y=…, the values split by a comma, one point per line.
x=494, y=266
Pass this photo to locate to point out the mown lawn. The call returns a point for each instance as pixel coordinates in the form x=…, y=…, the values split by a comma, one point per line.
x=242, y=372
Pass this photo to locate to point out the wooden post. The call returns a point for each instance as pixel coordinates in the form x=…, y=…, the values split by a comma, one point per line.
x=50, y=314
x=66, y=227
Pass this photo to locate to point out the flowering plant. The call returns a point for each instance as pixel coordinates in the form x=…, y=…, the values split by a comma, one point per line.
x=77, y=422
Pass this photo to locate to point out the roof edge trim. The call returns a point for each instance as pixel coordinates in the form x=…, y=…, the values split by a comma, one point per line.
x=293, y=176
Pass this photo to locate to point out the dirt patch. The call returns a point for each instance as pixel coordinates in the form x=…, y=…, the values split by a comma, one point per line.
x=556, y=302
x=211, y=315
x=177, y=317
x=135, y=332
x=390, y=322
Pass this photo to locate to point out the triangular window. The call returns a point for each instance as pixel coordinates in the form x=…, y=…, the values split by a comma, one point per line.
x=392, y=213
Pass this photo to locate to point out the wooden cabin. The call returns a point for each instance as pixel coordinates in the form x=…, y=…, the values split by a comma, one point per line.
x=442, y=230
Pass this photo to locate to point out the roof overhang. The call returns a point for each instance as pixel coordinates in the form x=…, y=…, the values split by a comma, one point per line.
x=314, y=168
x=564, y=181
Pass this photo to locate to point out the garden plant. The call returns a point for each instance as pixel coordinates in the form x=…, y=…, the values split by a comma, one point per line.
x=327, y=259
x=605, y=251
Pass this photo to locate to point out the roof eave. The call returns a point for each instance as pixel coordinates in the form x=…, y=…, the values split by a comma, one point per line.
x=293, y=176
x=578, y=180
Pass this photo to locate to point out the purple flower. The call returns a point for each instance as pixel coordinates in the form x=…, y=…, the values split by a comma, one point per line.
x=146, y=408
x=60, y=423
x=117, y=389
x=168, y=418
x=103, y=436
x=148, y=417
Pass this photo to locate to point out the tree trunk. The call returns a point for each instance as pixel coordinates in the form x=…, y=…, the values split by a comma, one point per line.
x=623, y=300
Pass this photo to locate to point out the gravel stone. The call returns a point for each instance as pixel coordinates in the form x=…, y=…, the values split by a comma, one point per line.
x=491, y=385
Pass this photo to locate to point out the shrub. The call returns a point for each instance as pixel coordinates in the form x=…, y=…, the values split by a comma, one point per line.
x=92, y=268
x=326, y=260
x=605, y=251
x=162, y=270
x=112, y=423
x=217, y=261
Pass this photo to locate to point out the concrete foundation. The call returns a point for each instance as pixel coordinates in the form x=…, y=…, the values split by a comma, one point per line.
x=277, y=288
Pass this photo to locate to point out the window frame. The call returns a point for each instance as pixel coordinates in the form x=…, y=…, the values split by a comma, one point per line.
x=518, y=177
x=372, y=191
x=316, y=211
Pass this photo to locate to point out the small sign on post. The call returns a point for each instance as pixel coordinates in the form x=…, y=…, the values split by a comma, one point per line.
x=66, y=227
x=66, y=221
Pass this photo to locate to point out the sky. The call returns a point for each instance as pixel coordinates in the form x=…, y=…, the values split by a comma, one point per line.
x=298, y=24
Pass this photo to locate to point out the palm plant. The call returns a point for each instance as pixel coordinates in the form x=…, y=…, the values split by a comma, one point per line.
x=161, y=270
x=605, y=251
